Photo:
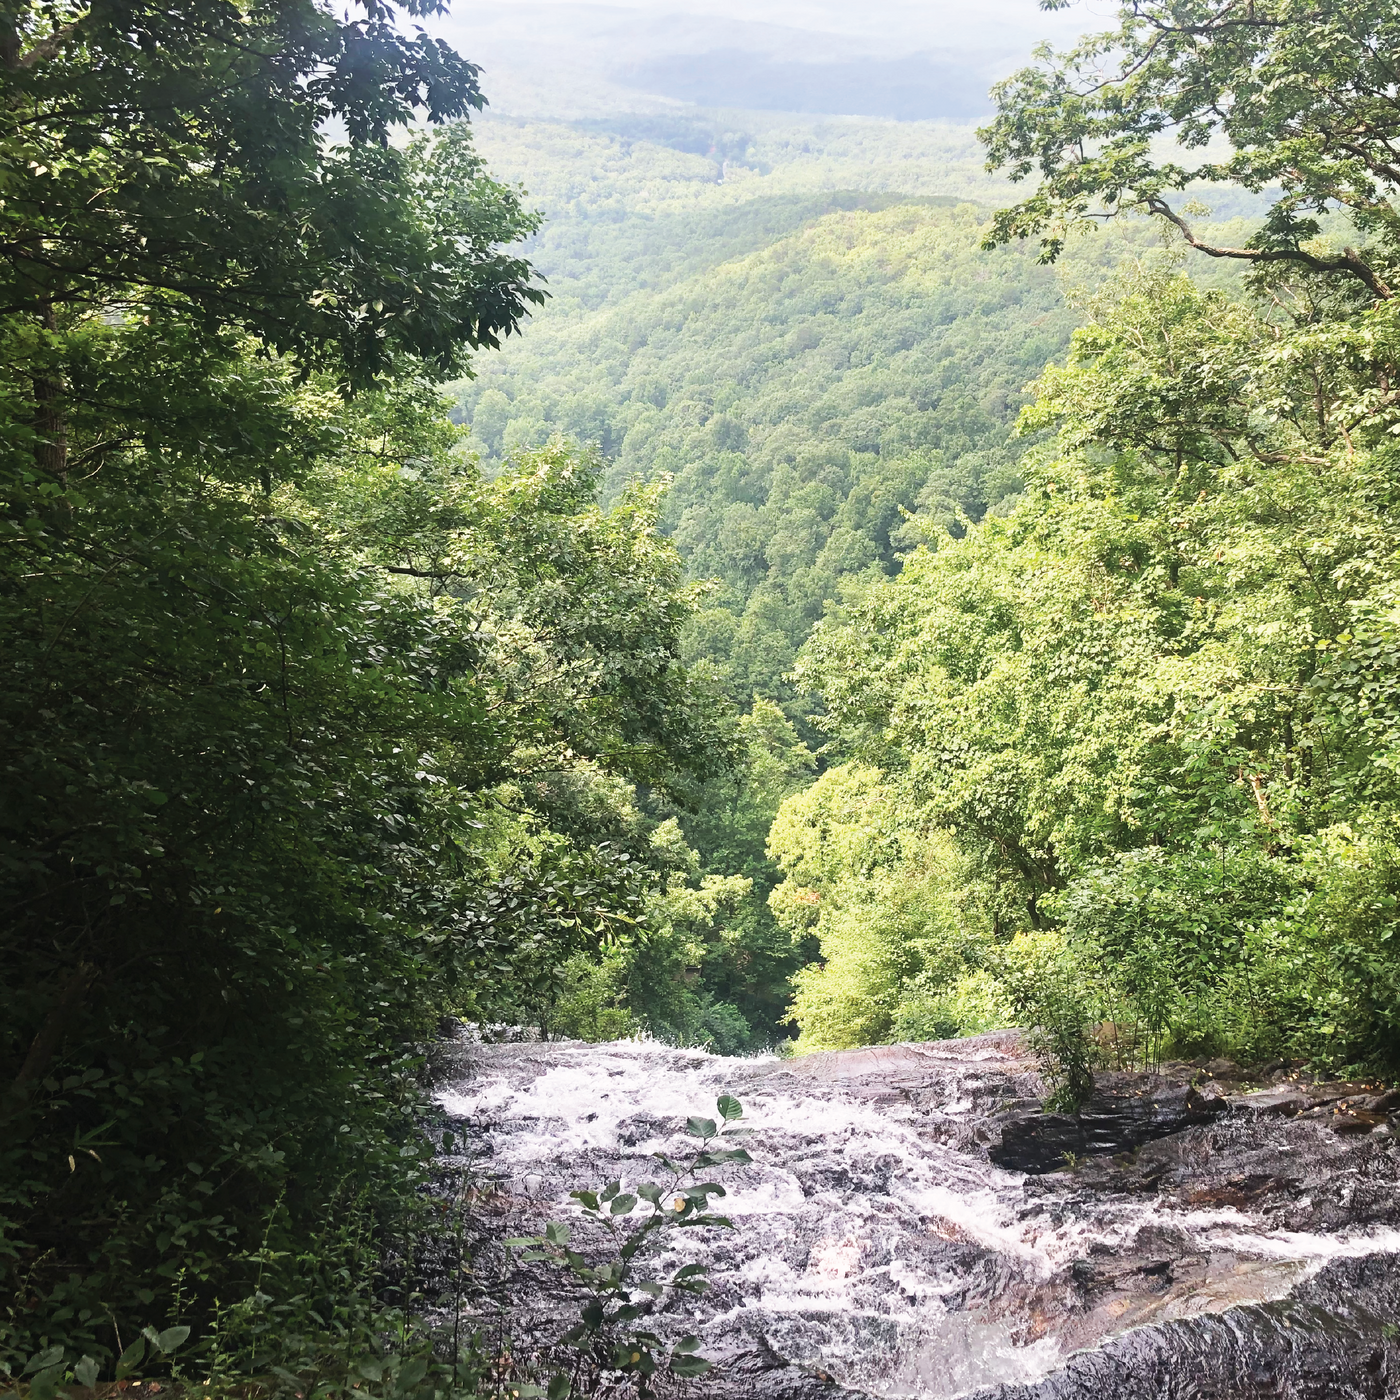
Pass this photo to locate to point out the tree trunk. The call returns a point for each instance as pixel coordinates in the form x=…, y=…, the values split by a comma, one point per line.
x=50, y=421
x=48, y=1039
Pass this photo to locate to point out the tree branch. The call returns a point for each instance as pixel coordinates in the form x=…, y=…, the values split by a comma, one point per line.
x=47, y=47
x=1349, y=262
x=418, y=573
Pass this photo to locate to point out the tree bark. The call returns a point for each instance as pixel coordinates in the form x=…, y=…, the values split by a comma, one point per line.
x=47, y=1040
x=52, y=428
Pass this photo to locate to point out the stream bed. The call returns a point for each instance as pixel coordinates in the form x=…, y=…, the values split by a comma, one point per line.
x=913, y=1226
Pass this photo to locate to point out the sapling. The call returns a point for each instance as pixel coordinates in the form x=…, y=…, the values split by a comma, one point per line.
x=636, y=1221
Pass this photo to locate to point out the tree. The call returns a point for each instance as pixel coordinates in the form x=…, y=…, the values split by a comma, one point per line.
x=1301, y=92
x=291, y=694
x=174, y=160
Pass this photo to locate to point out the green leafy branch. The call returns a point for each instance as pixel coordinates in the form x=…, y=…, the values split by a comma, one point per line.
x=636, y=1221
x=49, y=1370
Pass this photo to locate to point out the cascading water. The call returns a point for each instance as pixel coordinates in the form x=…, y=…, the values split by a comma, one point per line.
x=878, y=1251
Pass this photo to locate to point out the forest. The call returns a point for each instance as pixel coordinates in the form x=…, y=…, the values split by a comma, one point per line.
x=663, y=576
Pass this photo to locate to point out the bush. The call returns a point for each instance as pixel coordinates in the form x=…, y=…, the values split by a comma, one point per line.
x=726, y=1028
x=591, y=1002
x=1176, y=941
x=931, y=1010
x=1325, y=975
x=1247, y=952
x=1050, y=988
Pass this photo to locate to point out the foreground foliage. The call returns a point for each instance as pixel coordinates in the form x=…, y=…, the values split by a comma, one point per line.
x=612, y=1330
x=304, y=722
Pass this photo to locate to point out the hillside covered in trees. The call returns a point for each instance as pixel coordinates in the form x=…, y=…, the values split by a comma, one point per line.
x=819, y=406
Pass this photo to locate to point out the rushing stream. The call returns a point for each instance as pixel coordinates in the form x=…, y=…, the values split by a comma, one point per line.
x=1245, y=1248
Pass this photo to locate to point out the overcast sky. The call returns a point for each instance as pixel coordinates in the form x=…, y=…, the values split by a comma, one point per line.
x=910, y=58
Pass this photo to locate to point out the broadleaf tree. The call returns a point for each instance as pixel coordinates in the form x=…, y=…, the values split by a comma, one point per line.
x=1291, y=99
x=298, y=711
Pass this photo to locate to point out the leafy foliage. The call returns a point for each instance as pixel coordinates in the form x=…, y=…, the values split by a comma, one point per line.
x=819, y=406
x=1124, y=701
x=616, y=1300
x=173, y=157
x=301, y=714
x=1298, y=94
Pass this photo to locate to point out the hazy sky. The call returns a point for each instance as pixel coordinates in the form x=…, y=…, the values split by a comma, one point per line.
x=896, y=24
x=919, y=58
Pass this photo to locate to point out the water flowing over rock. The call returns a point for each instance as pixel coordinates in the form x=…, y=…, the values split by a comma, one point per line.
x=914, y=1226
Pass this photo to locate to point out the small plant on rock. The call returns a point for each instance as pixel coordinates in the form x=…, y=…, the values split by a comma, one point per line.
x=611, y=1324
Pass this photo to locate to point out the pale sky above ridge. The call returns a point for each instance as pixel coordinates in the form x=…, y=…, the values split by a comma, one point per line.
x=902, y=58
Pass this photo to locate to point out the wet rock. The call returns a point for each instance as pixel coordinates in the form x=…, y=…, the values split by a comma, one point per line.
x=877, y=1251
x=1336, y=1093
x=1331, y=1339
x=1120, y=1116
x=1346, y=1122
x=1223, y=1069
x=1283, y=1103
x=1386, y=1103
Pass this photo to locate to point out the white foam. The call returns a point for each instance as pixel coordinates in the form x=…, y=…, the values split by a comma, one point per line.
x=835, y=1219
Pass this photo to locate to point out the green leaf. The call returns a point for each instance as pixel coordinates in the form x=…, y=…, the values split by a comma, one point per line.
x=130, y=1359
x=43, y=1386
x=559, y=1387
x=729, y=1108
x=172, y=1338
x=684, y=1364
x=687, y=1344
x=701, y=1127
x=556, y=1232
x=41, y=1360
x=85, y=1372
x=410, y=1373
x=623, y=1205
x=716, y=1156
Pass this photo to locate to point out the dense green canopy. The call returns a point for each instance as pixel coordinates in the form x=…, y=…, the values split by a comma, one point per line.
x=930, y=665
x=311, y=734
x=175, y=157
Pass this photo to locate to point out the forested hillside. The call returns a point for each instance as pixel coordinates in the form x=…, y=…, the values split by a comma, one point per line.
x=1027, y=778
x=824, y=381
x=1123, y=755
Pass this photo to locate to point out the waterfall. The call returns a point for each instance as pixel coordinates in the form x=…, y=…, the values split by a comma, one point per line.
x=877, y=1249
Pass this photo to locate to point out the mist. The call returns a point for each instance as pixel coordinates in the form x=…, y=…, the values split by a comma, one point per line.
x=891, y=58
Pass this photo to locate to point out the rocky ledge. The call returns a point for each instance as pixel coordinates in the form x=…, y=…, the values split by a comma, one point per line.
x=983, y=1094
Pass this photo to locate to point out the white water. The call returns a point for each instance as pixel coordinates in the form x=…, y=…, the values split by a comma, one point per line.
x=863, y=1248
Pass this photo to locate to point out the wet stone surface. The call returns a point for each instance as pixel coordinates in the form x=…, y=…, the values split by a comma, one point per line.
x=912, y=1225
